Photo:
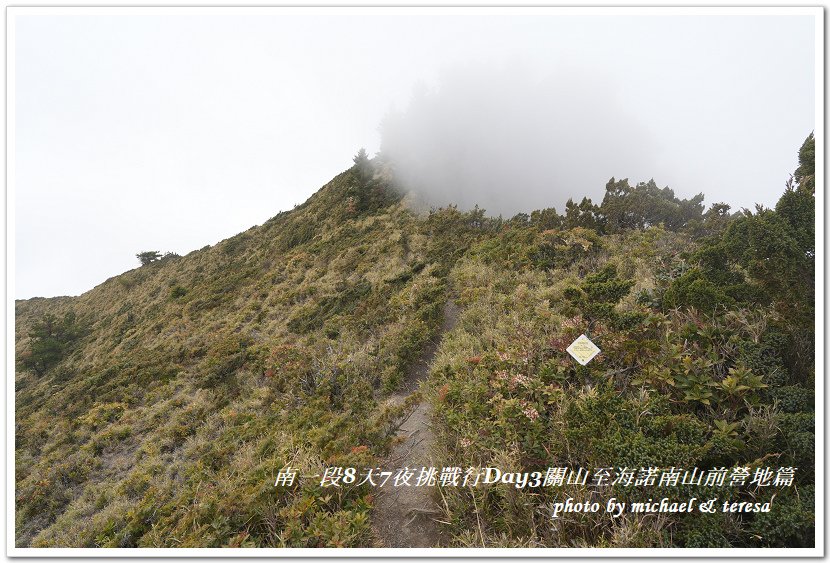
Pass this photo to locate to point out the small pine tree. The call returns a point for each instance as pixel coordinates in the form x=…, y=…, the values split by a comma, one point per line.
x=148, y=256
x=359, y=194
x=363, y=167
x=51, y=340
x=598, y=294
x=805, y=173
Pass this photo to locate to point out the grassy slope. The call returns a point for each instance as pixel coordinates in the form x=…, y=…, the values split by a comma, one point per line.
x=167, y=424
x=199, y=377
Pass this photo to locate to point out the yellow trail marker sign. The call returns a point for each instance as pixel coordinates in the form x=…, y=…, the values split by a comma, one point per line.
x=583, y=350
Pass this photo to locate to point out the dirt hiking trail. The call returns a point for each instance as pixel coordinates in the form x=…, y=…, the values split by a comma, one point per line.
x=404, y=516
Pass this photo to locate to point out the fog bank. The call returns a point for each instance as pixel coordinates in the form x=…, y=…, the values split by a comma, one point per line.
x=510, y=141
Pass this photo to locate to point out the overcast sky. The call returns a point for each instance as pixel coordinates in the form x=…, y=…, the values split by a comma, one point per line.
x=169, y=133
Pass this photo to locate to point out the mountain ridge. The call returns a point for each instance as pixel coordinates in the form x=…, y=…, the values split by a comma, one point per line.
x=159, y=408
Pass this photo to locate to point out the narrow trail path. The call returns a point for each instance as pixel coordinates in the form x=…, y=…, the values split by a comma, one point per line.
x=404, y=516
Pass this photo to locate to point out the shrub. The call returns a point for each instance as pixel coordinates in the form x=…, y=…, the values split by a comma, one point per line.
x=692, y=289
x=791, y=521
x=598, y=294
x=51, y=340
x=795, y=398
x=177, y=291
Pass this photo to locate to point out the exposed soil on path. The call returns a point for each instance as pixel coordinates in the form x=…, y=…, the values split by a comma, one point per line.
x=405, y=516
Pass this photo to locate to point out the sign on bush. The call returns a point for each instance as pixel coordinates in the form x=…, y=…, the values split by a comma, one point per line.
x=583, y=350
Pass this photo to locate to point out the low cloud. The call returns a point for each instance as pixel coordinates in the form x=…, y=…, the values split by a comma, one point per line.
x=510, y=141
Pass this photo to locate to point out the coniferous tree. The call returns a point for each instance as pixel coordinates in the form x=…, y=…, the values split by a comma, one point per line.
x=363, y=167
x=805, y=173
x=148, y=256
x=52, y=338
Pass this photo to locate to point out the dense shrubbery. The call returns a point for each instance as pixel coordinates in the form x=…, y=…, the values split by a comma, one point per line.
x=710, y=366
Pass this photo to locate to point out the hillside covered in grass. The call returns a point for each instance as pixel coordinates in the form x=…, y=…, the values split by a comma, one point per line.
x=157, y=409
